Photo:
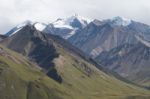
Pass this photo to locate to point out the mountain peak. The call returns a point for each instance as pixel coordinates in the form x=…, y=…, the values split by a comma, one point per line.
x=19, y=27
x=76, y=16
x=120, y=21
x=71, y=22
x=38, y=26
x=67, y=27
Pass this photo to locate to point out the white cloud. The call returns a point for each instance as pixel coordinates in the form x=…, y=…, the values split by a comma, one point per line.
x=16, y=11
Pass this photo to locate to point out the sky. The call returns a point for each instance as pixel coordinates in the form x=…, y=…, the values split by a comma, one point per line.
x=13, y=12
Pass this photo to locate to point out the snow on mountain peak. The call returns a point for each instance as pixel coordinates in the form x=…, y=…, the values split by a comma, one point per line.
x=68, y=26
x=74, y=21
x=37, y=25
x=40, y=26
x=120, y=21
x=18, y=28
x=80, y=18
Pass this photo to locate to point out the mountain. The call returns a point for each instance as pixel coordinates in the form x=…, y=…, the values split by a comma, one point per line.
x=33, y=44
x=63, y=27
x=108, y=34
x=67, y=27
x=44, y=56
x=100, y=39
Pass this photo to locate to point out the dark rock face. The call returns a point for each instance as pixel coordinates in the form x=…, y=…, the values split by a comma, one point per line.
x=53, y=74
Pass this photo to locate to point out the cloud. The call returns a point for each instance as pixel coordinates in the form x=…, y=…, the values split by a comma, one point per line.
x=14, y=12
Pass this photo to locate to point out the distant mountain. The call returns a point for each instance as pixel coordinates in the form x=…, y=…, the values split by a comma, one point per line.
x=108, y=34
x=52, y=56
x=67, y=27
x=64, y=28
x=71, y=22
x=101, y=37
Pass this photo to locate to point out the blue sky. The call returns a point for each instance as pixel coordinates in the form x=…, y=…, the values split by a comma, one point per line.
x=14, y=12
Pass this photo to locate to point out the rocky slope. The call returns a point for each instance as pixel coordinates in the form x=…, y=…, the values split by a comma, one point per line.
x=130, y=61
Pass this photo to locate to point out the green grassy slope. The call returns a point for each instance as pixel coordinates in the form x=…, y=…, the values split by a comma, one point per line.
x=20, y=79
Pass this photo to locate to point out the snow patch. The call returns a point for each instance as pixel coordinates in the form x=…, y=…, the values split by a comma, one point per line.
x=64, y=26
x=40, y=26
x=60, y=23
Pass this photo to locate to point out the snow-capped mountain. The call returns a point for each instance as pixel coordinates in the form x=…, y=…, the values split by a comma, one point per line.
x=71, y=22
x=67, y=27
x=70, y=27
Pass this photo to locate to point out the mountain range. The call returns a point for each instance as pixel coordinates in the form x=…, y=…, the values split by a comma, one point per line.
x=125, y=39
x=76, y=58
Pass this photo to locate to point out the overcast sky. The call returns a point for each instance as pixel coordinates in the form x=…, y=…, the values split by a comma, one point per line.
x=13, y=12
